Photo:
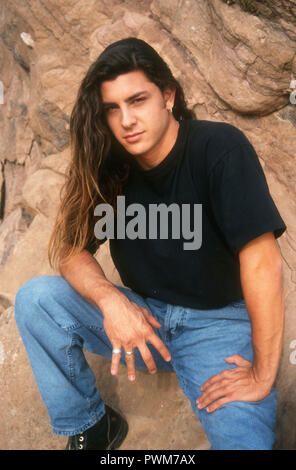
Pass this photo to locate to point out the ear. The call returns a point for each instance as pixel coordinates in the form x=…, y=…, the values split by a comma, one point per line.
x=169, y=94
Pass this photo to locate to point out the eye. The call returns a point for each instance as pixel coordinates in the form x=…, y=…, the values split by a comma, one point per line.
x=110, y=109
x=138, y=100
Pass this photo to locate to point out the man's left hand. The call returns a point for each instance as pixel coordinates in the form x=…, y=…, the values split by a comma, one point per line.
x=239, y=384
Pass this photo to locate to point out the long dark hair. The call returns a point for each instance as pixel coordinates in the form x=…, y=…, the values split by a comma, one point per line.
x=99, y=166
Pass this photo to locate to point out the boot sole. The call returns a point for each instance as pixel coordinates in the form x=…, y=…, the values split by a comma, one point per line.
x=120, y=436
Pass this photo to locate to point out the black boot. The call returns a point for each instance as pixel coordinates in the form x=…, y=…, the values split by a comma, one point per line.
x=106, y=434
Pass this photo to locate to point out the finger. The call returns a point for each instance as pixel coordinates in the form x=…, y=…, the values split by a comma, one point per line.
x=222, y=401
x=115, y=360
x=160, y=346
x=214, y=393
x=130, y=363
x=225, y=374
x=238, y=360
x=148, y=358
x=151, y=319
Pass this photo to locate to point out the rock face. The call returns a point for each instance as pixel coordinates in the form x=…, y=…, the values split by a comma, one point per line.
x=236, y=61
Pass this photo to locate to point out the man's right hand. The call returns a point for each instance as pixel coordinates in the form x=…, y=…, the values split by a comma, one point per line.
x=127, y=326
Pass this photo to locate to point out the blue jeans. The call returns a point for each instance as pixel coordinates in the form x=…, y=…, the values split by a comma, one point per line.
x=56, y=322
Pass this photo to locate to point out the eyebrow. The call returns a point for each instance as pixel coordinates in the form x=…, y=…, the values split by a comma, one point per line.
x=130, y=98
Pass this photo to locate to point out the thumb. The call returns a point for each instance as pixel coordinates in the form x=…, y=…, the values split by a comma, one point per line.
x=238, y=360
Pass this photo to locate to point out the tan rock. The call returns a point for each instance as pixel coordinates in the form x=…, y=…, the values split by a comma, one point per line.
x=29, y=257
x=11, y=231
x=41, y=192
x=22, y=413
x=2, y=190
x=13, y=175
x=33, y=160
x=104, y=258
x=58, y=162
x=6, y=301
x=258, y=76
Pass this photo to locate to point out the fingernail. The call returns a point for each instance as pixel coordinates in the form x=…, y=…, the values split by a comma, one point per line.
x=132, y=377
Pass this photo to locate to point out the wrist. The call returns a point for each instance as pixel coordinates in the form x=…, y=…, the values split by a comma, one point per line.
x=266, y=363
x=103, y=293
x=264, y=375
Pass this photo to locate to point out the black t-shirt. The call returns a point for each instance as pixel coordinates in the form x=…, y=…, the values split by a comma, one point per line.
x=215, y=165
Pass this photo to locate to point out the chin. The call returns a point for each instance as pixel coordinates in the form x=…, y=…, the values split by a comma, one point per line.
x=135, y=151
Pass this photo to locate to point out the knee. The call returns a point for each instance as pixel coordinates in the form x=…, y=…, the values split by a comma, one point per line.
x=31, y=294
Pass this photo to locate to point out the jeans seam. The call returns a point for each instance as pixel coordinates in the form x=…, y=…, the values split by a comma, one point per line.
x=95, y=327
x=72, y=327
x=182, y=320
x=177, y=330
x=166, y=323
x=72, y=377
x=180, y=379
x=70, y=359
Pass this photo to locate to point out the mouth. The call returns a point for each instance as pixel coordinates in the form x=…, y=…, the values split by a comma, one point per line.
x=133, y=137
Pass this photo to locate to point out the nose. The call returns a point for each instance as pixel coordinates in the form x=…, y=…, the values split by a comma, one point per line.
x=128, y=118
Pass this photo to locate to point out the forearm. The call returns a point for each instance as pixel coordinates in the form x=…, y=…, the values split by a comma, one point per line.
x=86, y=276
x=263, y=293
x=261, y=280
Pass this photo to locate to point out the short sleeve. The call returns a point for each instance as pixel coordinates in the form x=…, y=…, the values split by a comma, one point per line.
x=240, y=199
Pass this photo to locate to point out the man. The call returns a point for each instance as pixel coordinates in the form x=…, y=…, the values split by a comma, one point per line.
x=213, y=313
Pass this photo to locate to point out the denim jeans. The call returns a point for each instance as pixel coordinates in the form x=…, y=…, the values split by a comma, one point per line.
x=56, y=322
